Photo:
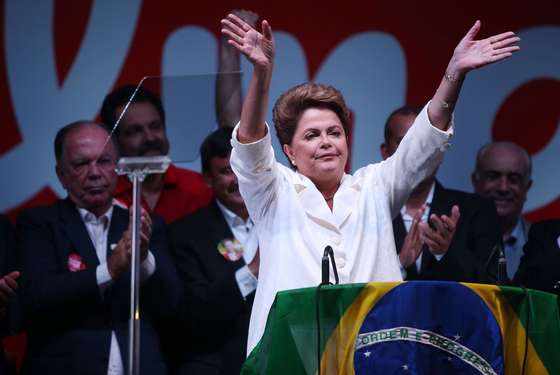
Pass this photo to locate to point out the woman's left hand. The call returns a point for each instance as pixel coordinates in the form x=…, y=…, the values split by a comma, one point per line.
x=472, y=54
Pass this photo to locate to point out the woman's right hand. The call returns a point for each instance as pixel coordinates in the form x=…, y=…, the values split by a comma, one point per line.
x=257, y=47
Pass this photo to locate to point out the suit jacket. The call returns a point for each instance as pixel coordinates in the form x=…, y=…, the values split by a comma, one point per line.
x=471, y=256
x=7, y=246
x=540, y=264
x=8, y=263
x=9, y=322
x=214, y=318
x=69, y=322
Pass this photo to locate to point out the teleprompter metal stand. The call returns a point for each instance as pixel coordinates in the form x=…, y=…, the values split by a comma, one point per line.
x=137, y=168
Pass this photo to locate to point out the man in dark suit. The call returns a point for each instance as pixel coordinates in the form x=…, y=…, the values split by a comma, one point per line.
x=503, y=174
x=215, y=251
x=442, y=234
x=75, y=264
x=9, y=306
x=540, y=264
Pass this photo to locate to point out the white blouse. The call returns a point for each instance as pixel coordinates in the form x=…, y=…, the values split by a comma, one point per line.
x=295, y=224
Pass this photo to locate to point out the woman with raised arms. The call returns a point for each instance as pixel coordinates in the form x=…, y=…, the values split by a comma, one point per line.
x=300, y=211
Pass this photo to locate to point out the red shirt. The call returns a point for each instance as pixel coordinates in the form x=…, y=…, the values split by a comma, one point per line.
x=183, y=193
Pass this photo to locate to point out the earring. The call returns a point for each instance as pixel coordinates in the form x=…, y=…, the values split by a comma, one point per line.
x=293, y=162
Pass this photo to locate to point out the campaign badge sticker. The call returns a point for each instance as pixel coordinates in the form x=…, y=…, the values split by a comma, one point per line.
x=231, y=249
x=75, y=263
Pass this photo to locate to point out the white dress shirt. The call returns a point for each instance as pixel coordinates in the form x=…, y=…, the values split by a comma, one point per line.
x=98, y=230
x=295, y=224
x=246, y=234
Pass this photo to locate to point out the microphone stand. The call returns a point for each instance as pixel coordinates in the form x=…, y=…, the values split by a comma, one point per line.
x=137, y=168
x=497, y=250
x=502, y=267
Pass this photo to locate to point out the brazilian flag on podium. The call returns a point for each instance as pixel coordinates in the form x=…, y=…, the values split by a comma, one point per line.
x=421, y=328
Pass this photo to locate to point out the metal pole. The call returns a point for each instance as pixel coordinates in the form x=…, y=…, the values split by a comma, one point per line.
x=136, y=168
x=134, y=322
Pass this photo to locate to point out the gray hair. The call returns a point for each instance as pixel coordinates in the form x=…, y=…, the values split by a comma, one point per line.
x=511, y=145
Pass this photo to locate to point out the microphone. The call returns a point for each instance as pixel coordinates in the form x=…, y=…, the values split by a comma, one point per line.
x=329, y=252
x=325, y=266
x=325, y=274
x=502, y=267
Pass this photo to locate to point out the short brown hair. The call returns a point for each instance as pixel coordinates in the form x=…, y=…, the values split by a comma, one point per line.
x=290, y=106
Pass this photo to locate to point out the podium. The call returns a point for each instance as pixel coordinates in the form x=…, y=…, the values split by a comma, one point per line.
x=416, y=327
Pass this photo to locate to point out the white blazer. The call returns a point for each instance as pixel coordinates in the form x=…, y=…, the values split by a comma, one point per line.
x=295, y=224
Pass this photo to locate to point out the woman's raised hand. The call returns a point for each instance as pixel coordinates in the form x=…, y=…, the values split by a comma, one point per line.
x=472, y=54
x=257, y=47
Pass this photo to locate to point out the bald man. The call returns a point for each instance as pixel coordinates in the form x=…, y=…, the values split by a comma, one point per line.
x=503, y=173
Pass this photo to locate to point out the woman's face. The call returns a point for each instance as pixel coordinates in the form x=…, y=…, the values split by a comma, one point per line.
x=319, y=149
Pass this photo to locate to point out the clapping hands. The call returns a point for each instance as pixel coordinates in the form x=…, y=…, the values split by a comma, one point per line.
x=119, y=261
x=437, y=237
